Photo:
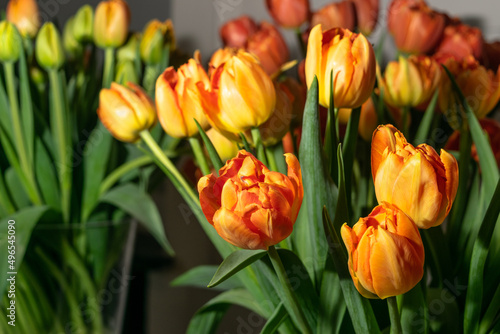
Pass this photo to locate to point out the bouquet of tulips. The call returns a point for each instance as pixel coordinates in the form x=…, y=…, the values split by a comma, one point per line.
x=68, y=189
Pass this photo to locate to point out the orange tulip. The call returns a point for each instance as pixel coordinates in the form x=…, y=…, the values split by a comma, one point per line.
x=250, y=206
x=289, y=13
x=350, y=59
x=111, y=22
x=416, y=28
x=219, y=57
x=336, y=15
x=269, y=47
x=275, y=128
x=179, y=100
x=481, y=87
x=386, y=253
x=410, y=82
x=415, y=179
x=235, y=33
x=460, y=41
x=243, y=93
x=24, y=14
x=226, y=148
x=126, y=111
x=367, y=15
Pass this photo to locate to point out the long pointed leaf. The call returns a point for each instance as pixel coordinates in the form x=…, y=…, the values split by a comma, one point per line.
x=234, y=263
x=199, y=276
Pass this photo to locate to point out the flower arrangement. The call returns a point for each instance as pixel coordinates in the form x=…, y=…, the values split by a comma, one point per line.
x=319, y=205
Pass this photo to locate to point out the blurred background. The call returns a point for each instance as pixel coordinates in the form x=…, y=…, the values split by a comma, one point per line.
x=154, y=306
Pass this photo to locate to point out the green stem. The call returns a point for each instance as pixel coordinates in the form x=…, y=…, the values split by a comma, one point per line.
x=199, y=156
x=406, y=128
x=60, y=136
x=272, y=161
x=109, y=67
x=259, y=146
x=290, y=298
x=119, y=172
x=31, y=186
x=394, y=315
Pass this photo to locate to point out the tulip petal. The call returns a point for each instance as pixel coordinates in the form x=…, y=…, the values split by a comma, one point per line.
x=451, y=168
x=383, y=138
x=235, y=230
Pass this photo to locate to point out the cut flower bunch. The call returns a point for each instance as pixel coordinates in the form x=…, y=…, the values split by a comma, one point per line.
x=320, y=184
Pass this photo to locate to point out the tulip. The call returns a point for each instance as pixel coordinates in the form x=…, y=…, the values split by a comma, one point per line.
x=416, y=28
x=10, y=50
x=179, y=100
x=235, y=33
x=126, y=111
x=415, y=179
x=219, y=57
x=49, y=49
x=84, y=24
x=336, y=15
x=461, y=41
x=386, y=253
x=130, y=50
x=275, y=128
x=366, y=15
x=480, y=87
x=269, y=47
x=250, y=206
x=111, y=22
x=349, y=58
x=156, y=35
x=226, y=148
x=125, y=72
x=243, y=93
x=289, y=13
x=491, y=127
x=410, y=82
x=24, y=14
x=71, y=46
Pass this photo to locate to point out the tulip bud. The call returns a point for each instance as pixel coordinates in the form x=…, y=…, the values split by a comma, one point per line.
x=415, y=179
x=111, y=22
x=335, y=15
x=129, y=51
x=10, y=50
x=250, y=206
x=410, y=82
x=126, y=111
x=49, y=50
x=415, y=27
x=242, y=82
x=235, y=33
x=349, y=58
x=179, y=99
x=460, y=41
x=155, y=37
x=25, y=16
x=71, y=46
x=366, y=15
x=125, y=72
x=386, y=253
x=83, y=24
x=226, y=148
x=289, y=13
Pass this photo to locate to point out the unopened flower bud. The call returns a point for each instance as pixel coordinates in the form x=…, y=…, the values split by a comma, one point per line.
x=10, y=50
x=49, y=50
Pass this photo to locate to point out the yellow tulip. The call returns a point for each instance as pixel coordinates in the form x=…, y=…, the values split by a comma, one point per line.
x=349, y=57
x=111, y=22
x=226, y=148
x=156, y=35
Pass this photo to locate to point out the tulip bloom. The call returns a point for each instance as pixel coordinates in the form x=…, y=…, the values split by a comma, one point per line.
x=350, y=59
x=367, y=15
x=289, y=13
x=235, y=33
x=226, y=148
x=111, y=22
x=410, y=82
x=336, y=15
x=386, y=253
x=460, y=41
x=250, y=206
x=126, y=111
x=416, y=28
x=243, y=94
x=179, y=101
x=24, y=14
x=415, y=179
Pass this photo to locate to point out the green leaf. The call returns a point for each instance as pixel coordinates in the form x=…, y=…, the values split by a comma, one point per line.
x=341, y=211
x=414, y=317
x=46, y=176
x=425, y=124
x=332, y=303
x=349, y=149
x=199, y=276
x=246, y=145
x=25, y=220
x=317, y=188
x=5, y=118
x=275, y=320
x=206, y=322
x=16, y=188
x=473, y=301
x=137, y=203
x=98, y=149
x=234, y=263
x=360, y=310
x=212, y=152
